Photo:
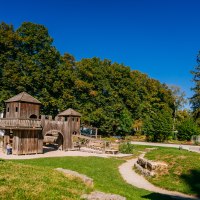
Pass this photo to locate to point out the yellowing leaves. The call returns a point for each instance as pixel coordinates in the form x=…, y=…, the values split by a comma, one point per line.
x=93, y=93
x=82, y=85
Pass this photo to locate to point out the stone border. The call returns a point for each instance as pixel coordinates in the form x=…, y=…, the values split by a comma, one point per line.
x=149, y=167
x=88, y=181
x=96, y=195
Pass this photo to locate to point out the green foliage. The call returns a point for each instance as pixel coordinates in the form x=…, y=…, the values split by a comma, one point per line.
x=28, y=62
x=195, y=100
x=108, y=95
x=158, y=126
x=126, y=147
x=187, y=128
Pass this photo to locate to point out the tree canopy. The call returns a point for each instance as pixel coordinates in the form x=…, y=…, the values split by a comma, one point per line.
x=109, y=95
x=195, y=100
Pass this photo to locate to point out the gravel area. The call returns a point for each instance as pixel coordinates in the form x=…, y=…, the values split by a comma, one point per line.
x=58, y=153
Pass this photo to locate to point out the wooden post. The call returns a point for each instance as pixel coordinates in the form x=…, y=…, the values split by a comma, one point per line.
x=96, y=132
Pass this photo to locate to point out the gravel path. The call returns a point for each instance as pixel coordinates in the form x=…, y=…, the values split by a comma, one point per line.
x=193, y=148
x=57, y=153
x=131, y=177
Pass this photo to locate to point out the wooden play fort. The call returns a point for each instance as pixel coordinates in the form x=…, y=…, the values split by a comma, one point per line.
x=25, y=129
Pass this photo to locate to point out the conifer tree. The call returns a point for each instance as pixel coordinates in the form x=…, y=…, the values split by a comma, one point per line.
x=195, y=100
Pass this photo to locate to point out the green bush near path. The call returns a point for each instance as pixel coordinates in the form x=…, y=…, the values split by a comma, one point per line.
x=104, y=172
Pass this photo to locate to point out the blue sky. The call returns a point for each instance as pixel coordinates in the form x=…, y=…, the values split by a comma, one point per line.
x=158, y=37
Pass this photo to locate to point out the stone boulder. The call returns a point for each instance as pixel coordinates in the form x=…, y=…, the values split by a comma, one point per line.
x=88, y=181
x=96, y=195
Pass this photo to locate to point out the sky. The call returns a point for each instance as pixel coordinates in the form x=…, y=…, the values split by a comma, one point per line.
x=160, y=38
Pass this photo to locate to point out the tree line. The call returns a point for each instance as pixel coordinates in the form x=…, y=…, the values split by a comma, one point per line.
x=109, y=95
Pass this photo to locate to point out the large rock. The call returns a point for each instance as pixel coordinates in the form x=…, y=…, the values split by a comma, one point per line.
x=150, y=168
x=88, y=181
x=102, y=196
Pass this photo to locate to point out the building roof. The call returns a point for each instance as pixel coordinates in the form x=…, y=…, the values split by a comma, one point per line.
x=23, y=96
x=70, y=112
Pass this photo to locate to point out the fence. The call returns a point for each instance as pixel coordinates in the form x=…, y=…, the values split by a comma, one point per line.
x=195, y=139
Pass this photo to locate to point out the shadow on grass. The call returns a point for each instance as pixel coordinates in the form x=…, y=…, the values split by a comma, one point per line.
x=156, y=196
x=192, y=179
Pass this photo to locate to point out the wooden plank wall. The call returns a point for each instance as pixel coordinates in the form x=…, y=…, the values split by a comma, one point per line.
x=12, y=110
x=6, y=139
x=27, y=142
x=25, y=110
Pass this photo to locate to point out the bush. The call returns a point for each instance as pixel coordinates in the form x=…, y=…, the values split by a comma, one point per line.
x=158, y=126
x=126, y=148
x=187, y=129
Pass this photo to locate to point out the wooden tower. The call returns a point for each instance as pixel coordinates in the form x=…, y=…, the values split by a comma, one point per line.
x=72, y=126
x=22, y=125
x=25, y=130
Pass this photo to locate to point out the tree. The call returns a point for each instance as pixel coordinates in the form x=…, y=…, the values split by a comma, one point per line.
x=108, y=95
x=187, y=128
x=29, y=63
x=179, y=102
x=158, y=126
x=195, y=100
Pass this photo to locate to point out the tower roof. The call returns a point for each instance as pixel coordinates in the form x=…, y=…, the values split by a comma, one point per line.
x=23, y=96
x=70, y=112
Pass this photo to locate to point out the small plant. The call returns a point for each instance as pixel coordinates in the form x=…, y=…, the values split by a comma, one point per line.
x=126, y=148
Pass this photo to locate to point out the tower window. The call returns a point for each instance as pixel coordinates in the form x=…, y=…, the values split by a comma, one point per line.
x=8, y=109
x=16, y=109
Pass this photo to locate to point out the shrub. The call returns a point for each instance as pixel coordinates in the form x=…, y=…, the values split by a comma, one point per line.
x=187, y=128
x=158, y=126
x=126, y=148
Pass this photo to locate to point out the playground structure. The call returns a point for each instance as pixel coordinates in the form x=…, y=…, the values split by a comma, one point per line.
x=95, y=145
x=25, y=129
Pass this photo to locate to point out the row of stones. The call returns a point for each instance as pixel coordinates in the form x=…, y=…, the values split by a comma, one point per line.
x=150, y=168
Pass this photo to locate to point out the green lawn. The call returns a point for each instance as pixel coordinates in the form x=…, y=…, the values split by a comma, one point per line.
x=184, y=170
x=37, y=179
x=41, y=171
x=19, y=181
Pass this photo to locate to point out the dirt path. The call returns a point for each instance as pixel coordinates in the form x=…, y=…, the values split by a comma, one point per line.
x=193, y=148
x=57, y=153
x=131, y=177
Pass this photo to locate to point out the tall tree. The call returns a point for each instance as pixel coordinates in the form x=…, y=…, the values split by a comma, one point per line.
x=109, y=95
x=158, y=126
x=29, y=63
x=195, y=100
x=179, y=101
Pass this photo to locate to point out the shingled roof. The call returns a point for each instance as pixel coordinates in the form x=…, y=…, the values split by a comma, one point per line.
x=23, y=96
x=69, y=112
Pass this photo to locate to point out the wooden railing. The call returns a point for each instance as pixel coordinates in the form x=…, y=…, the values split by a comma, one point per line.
x=21, y=123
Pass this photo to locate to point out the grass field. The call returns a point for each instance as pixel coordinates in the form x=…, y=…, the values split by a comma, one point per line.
x=184, y=170
x=37, y=179
x=19, y=181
